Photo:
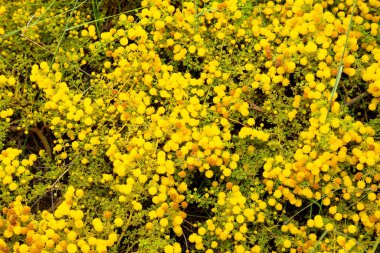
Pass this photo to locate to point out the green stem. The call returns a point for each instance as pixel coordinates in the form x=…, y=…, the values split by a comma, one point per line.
x=38, y=22
x=340, y=68
x=95, y=11
x=124, y=230
x=376, y=244
x=6, y=62
x=94, y=21
x=43, y=12
x=319, y=241
x=63, y=34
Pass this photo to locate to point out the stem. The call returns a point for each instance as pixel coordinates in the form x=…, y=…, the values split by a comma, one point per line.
x=187, y=247
x=357, y=98
x=40, y=135
x=340, y=68
x=43, y=140
x=38, y=22
x=376, y=244
x=124, y=230
x=6, y=62
x=319, y=241
x=93, y=21
x=62, y=35
x=256, y=107
x=238, y=122
x=95, y=11
x=44, y=47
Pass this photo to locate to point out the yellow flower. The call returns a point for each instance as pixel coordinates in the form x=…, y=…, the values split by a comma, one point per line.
x=201, y=52
x=324, y=129
x=360, y=206
x=351, y=229
x=168, y=249
x=118, y=222
x=152, y=190
x=361, y=184
x=71, y=248
x=79, y=224
x=136, y=205
x=318, y=221
x=201, y=231
x=192, y=49
x=338, y=216
x=177, y=220
x=227, y=172
x=272, y=202
x=329, y=226
x=349, y=59
x=98, y=225
x=240, y=219
x=12, y=186
x=229, y=226
x=311, y=47
x=88, y=121
x=164, y=222
x=79, y=193
x=125, y=188
x=72, y=235
x=209, y=174
x=287, y=243
x=91, y=31
x=372, y=196
x=238, y=236
x=310, y=223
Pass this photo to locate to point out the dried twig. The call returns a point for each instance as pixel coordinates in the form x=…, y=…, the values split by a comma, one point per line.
x=40, y=135
x=255, y=107
x=356, y=99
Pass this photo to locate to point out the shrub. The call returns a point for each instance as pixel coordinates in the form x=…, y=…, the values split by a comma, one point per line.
x=201, y=126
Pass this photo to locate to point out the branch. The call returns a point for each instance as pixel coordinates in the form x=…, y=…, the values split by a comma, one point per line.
x=40, y=135
x=357, y=98
x=256, y=107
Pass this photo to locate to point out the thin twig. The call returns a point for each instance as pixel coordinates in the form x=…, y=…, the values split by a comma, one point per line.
x=40, y=135
x=286, y=222
x=44, y=141
x=124, y=229
x=187, y=247
x=6, y=62
x=44, y=47
x=236, y=121
x=356, y=99
x=55, y=204
x=42, y=14
x=38, y=22
x=56, y=181
x=256, y=107
x=99, y=19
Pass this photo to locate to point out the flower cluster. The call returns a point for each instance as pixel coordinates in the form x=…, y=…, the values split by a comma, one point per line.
x=206, y=126
x=61, y=231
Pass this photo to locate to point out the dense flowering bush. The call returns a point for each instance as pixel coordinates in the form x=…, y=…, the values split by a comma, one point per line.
x=190, y=126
